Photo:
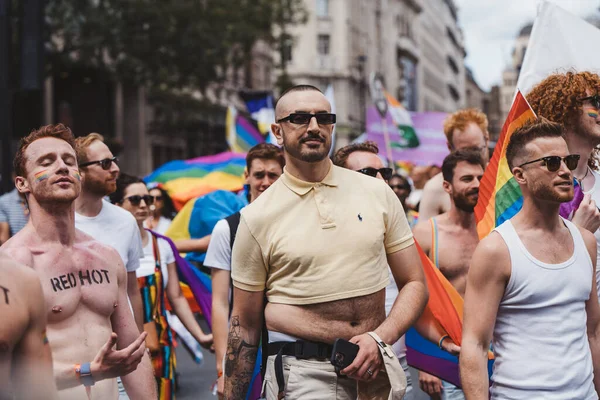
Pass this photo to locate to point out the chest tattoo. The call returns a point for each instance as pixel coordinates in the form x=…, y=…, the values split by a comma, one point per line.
x=88, y=277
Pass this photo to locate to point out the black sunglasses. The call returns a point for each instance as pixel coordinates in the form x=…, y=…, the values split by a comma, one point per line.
x=595, y=100
x=399, y=187
x=553, y=162
x=136, y=199
x=386, y=173
x=304, y=118
x=105, y=164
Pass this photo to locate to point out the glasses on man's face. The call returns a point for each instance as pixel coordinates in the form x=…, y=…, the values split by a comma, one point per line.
x=553, y=162
x=595, y=100
x=304, y=118
x=105, y=164
x=136, y=199
x=386, y=173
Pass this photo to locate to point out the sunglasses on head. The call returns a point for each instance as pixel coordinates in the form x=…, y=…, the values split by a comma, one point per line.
x=595, y=100
x=105, y=164
x=304, y=118
x=553, y=162
x=136, y=199
x=386, y=173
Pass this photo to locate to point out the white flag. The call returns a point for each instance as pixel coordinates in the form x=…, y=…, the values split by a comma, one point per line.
x=559, y=42
x=331, y=98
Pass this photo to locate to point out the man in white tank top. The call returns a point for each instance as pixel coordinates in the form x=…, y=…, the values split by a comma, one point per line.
x=531, y=289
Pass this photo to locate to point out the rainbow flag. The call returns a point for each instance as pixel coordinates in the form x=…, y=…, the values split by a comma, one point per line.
x=444, y=314
x=242, y=133
x=188, y=179
x=500, y=197
x=199, y=216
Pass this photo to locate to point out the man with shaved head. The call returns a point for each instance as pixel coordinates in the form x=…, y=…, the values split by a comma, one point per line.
x=318, y=244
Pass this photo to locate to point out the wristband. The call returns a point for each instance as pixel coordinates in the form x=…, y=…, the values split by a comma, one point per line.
x=442, y=341
x=219, y=374
x=84, y=373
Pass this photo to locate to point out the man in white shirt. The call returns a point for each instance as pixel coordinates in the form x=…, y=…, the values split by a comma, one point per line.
x=103, y=221
x=264, y=165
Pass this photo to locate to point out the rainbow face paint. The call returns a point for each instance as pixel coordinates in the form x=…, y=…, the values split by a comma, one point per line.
x=77, y=176
x=592, y=112
x=42, y=175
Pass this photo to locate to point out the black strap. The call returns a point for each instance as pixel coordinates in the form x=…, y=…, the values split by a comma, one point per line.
x=233, y=221
x=301, y=349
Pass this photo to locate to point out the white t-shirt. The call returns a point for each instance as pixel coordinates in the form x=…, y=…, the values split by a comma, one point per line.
x=163, y=224
x=218, y=254
x=147, y=263
x=116, y=228
x=391, y=292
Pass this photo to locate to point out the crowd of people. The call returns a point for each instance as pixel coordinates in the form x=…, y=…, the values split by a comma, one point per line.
x=320, y=267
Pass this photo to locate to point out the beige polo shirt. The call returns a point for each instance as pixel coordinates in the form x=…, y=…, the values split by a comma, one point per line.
x=310, y=243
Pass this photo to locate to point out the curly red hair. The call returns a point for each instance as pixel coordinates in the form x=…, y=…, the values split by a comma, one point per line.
x=556, y=99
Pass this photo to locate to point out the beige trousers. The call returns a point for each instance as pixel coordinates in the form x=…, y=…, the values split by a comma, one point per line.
x=312, y=379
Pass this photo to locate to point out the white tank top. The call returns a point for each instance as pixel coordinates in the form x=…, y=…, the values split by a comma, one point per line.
x=540, y=338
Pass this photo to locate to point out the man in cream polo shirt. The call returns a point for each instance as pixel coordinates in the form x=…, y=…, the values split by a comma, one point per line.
x=318, y=242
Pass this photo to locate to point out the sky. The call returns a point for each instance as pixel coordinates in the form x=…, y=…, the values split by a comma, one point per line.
x=490, y=28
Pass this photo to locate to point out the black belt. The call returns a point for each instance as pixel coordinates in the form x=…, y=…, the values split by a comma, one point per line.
x=302, y=350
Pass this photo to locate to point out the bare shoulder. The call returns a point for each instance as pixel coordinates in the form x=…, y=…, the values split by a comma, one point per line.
x=18, y=250
x=590, y=241
x=435, y=185
x=422, y=233
x=491, y=257
x=22, y=277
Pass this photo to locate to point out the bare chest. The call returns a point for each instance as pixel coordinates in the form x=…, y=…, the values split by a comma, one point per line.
x=454, y=252
x=74, y=280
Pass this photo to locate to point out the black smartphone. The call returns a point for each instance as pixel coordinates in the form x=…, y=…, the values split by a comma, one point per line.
x=344, y=352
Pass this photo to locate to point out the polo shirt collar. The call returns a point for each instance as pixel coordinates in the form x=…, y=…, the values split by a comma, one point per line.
x=301, y=187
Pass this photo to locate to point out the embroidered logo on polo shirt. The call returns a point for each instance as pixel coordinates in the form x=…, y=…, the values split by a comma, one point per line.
x=359, y=217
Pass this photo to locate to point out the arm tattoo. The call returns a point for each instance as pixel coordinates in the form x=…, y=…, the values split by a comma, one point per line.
x=239, y=362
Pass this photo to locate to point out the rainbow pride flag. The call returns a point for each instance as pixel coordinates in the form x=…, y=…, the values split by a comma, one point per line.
x=242, y=133
x=188, y=179
x=500, y=197
x=444, y=314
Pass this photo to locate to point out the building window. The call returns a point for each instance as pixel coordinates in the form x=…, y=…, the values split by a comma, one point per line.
x=323, y=44
x=286, y=50
x=322, y=8
x=407, y=92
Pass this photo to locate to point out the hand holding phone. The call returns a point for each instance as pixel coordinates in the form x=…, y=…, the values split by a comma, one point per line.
x=344, y=353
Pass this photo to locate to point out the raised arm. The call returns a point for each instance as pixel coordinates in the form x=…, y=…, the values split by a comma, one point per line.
x=182, y=309
x=32, y=376
x=197, y=245
x=592, y=308
x=486, y=282
x=434, y=199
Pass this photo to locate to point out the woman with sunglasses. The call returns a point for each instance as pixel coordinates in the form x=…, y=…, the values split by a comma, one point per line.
x=158, y=282
x=162, y=211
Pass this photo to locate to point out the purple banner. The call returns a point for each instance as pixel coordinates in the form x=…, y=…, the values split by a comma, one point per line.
x=425, y=144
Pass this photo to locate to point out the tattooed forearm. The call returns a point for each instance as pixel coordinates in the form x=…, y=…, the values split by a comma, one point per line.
x=239, y=362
